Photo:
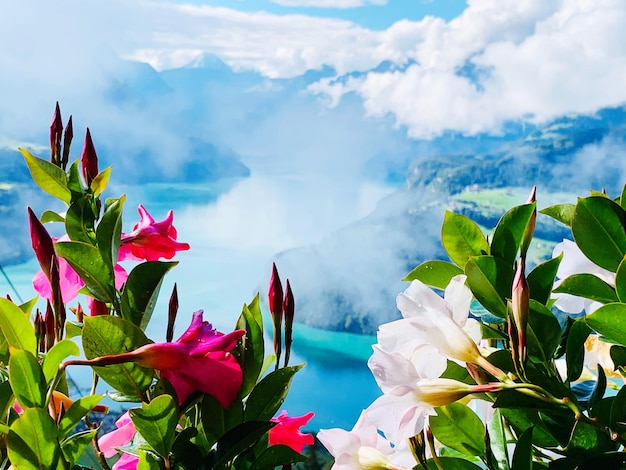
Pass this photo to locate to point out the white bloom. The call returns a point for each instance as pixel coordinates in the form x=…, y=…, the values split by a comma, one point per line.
x=575, y=262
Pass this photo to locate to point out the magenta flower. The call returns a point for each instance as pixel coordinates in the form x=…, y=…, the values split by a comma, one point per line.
x=120, y=437
x=151, y=240
x=287, y=431
x=199, y=360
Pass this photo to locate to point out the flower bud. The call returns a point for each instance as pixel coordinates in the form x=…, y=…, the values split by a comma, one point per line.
x=68, y=135
x=519, y=306
x=41, y=242
x=529, y=231
x=275, y=303
x=289, y=307
x=56, y=131
x=89, y=160
x=171, y=314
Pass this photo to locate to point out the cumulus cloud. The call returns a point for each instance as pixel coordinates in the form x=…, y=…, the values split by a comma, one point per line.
x=497, y=62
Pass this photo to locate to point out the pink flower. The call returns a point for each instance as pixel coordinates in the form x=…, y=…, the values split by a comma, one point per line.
x=121, y=436
x=199, y=360
x=151, y=240
x=287, y=431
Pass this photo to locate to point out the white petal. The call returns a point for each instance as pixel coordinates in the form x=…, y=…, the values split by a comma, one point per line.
x=391, y=369
x=418, y=299
x=398, y=416
x=459, y=297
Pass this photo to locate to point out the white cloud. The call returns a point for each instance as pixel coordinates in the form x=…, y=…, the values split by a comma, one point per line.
x=329, y=3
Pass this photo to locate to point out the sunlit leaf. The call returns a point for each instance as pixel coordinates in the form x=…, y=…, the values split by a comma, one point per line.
x=462, y=238
x=27, y=379
x=32, y=442
x=48, y=177
x=156, y=422
x=434, y=273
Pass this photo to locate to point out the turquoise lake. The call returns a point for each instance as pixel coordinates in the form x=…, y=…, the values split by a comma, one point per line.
x=219, y=277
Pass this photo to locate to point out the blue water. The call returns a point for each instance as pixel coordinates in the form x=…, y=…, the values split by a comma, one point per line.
x=219, y=277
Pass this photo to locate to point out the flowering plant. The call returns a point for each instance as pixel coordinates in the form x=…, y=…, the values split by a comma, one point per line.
x=513, y=367
x=204, y=401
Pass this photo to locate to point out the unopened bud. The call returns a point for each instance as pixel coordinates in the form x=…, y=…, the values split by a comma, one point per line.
x=50, y=327
x=529, y=231
x=289, y=308
x=56, y=131
x=171, y=314
x=89, y=160
x=520, y=302
x=275, y=303
x=68, y=135
x=41, y=242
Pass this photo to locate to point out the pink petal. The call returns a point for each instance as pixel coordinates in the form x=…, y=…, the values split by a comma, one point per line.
x=117, y=438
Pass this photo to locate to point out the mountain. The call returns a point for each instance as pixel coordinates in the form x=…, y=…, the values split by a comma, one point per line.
x=350, y=279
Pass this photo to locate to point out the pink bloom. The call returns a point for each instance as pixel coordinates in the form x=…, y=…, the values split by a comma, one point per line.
x=199, y=360
x=151, y=240
x=120, y=437
x=287, y=431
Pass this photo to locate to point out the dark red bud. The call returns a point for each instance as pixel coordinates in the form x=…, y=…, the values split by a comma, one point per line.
x=275, y=294
x=99, y=308
x=171, y=315
x=68, y=135
x=56, y=131
x=89, y=160
x=42, y=243
x=289, y=308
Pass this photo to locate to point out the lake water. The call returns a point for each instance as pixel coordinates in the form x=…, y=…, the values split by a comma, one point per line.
x=229, y=261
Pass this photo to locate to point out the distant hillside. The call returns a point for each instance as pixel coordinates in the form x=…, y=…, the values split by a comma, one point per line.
x=350, y=280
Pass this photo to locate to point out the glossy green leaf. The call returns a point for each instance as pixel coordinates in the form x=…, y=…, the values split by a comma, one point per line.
x=620, y=281
x=108, y=335
x=141, y=291
x=490, y=279
x=459, y=428
x=79, y=221
x=250, y=351
x=16, y=327
x=523, y=453
x=588, y=440
x=75, y=446
x=610, y=321
x=51, y=216
x=564, y=213
x=618, y=411
x=85, y=259
x=544, y=332
x=217, y=420
x=575, y=349
x=101, y=181
x=598, y=229
x=541, y=279
x=7, y=400
x=450, y=463
x=75, y=413
x=239, y=439
x=32, y=442
x=524, y=418
x=599, y=389
x=74, y=180
x=508, y=234
x=28, y=306
x=156, y=422
x=47, y=176
x=149, y=461
x=27, y=380
x=498, y=445
x=587, y=286
x=434, y=273
x=462, y=238
x=276, y=456
x=53, y=359
x=109, y=232
x=270, y=393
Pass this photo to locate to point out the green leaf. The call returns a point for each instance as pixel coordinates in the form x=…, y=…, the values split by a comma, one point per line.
x=107, y=335
x=59, y=352
x=250, y=351
x=74, y=181
x=75, y=446
x=449, y=463
x=156, y=422
x=459, y=428
x=498, y=445
x=599, y=389
x=564, y=213
x=149, y=461
x=27, y=307
x=101, y=181
x=86, y=260
x=462, y=238
x=541, y=279
x=588, y=440
x=508, y=234
x=620, y=281
x=610, y=321
x=523, y=453
x=490, y=279
x=239, y=439
x=79, y=221
x=141, y=291
x=434, y=273
x=27, y=380
x=544, y=332
x=276, y=456
x=7, y=400
x=598, y=229
x=270, y=393
x=47, y=176
x=523, y=419
x=16, y=327
x=32, y=442
x=575, y=349
x=109, y=232
x=217, y=420
x=587, y=286
x=618, y=411
x=51, y=216
x=75, y=413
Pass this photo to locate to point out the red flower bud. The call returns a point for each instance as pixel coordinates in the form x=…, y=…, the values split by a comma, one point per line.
x=42, y=243
x=56, y=131
x=68, y=135
x=171, y=314
x=289, y=307
x=275, y=302
x=89, y=160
